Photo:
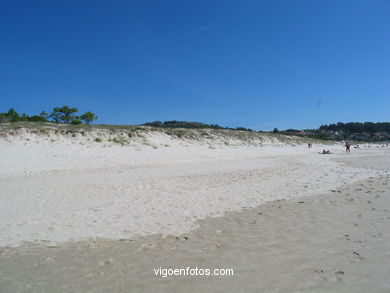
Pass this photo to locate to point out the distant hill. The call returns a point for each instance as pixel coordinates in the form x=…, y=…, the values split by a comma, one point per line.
x=367, y=131
x=186, y=124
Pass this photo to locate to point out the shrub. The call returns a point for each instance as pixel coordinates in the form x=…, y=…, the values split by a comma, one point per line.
x=76, y=121
x=36, y=118
x=120, y=140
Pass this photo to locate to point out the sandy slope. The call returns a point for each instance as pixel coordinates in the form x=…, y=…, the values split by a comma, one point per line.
x=55, y=192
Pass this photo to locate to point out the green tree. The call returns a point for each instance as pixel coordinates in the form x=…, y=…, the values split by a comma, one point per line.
x=44, y=115
x=63, y=114
x=24, y=117
x=13, y=116
x=88, y=117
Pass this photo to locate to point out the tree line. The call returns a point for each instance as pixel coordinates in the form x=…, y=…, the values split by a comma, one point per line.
x=64, y=114
x=192, y=125
x=357, y=127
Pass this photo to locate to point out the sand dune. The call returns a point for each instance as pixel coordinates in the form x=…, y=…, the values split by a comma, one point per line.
x=55, y=192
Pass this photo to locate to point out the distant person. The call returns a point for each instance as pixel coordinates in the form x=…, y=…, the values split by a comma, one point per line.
x=325, y=152
x=347, y=148
x=309, y=145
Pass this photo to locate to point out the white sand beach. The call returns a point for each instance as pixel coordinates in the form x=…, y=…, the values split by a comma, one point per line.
x=194, y=146
x=286, y=218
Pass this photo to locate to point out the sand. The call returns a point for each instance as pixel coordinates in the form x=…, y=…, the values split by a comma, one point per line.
x=286, y=219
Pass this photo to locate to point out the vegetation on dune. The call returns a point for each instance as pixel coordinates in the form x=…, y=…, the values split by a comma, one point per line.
x=13, y=116
x=64, y=114
x=67, y=116
x=192, y=125
x=120, y=140
x=125, y=134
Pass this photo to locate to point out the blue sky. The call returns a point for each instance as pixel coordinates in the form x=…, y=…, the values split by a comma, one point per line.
x=257, y=64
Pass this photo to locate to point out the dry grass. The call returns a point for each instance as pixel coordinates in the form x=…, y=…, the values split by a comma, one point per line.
x=124, y=134
x=122, y=140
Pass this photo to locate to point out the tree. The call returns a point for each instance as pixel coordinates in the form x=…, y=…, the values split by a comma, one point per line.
x=88, y=117
x=55, y=115
x=63, y=114
x=275, y=130
x=44, y=115
x=24, y=117
x=13, y=116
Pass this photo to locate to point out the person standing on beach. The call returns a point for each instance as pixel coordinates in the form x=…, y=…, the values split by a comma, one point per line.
x=347, y=148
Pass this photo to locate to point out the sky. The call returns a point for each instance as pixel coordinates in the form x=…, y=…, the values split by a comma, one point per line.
x=258, y=64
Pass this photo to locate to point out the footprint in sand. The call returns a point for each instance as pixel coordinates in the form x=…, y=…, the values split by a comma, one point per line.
x=105, y=262
x=339, y=275
x=361, y=258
